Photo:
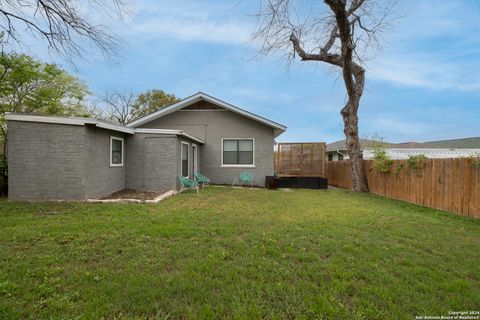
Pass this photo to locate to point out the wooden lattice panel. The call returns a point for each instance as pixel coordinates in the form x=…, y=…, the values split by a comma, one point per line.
x=300, y=159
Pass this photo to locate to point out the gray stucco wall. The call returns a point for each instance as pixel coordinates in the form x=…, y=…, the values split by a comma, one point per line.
x=153, y=162
x=101, y=178
x=46, y=161
x=212, y=126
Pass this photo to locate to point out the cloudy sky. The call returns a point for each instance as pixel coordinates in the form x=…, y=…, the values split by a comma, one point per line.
x=423, y=85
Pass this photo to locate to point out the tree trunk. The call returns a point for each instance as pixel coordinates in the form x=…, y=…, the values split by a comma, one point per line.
x=354, y=149
x=4, y=134
x=353, y=78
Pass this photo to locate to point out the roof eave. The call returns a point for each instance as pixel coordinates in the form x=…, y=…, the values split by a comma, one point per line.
x=277, y=132
x=203, y=96
x=76, y=121
x=170, y=132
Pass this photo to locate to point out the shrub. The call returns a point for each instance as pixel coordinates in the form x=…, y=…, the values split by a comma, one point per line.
x=397, y=169
x=416, y=161
x=476, y=161
x=381, y=160
x=3, y=166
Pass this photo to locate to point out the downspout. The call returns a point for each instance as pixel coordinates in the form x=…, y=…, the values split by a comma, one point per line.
x=343, y=154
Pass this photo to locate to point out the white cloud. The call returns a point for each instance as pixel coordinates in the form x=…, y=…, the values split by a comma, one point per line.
x=428, y=72
x=193, y=30
x=190, y=21
x=433, y=46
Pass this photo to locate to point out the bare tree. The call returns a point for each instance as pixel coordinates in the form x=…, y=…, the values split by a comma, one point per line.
x=62, y=23
x=119, y=106
x=341, y=33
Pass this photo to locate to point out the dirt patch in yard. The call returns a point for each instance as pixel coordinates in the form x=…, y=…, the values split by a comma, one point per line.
x=133, y=194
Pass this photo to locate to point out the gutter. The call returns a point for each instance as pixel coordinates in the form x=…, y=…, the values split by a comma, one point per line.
x=170, y=131
x=343, y=154
x=75, y=121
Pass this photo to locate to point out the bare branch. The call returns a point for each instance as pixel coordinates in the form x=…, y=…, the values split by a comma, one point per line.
x=120, y=106
x=331, y=41
x=341, y=34
x=356, y=4
x=63, y=24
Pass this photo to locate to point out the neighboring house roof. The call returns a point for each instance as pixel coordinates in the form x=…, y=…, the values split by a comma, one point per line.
x=405, y=153
x=466, y=143
x=76, y=121
x=200, y=96
x=341, y=144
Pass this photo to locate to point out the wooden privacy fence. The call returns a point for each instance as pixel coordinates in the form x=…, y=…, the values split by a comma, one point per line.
x=448, y=184
x=300, y=159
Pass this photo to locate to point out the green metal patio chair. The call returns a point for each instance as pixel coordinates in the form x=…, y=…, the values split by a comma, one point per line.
x=201, y=179
x=246, y=178
x=188, y=184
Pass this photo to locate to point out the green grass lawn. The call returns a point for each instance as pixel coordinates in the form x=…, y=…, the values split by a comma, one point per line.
x=237, y=253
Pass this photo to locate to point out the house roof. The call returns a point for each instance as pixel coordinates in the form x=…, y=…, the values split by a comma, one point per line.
x=200, y=96
x=168, y=131
x=365, y=143
x=76, y=121
x=465, y=143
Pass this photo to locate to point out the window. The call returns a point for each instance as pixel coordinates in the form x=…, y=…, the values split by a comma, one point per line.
x=116, y=152
x=184, y=159
x=330, y=157
x=237, y=152
x=340, y=157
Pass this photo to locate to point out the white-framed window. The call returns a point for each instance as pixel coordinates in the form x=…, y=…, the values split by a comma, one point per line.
x=238, y=152
x=116, y=152
x=185, y=157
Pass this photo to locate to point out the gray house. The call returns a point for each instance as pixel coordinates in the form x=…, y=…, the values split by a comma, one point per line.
x=66, y=158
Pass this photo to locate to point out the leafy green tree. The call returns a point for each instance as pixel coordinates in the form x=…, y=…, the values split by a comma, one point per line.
x=151, y=101
x=30, y=86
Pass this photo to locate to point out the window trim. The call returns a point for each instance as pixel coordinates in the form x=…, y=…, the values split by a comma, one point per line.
x=111, y=151
x=222, y=165
x=188, y=159
x=194, y=157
